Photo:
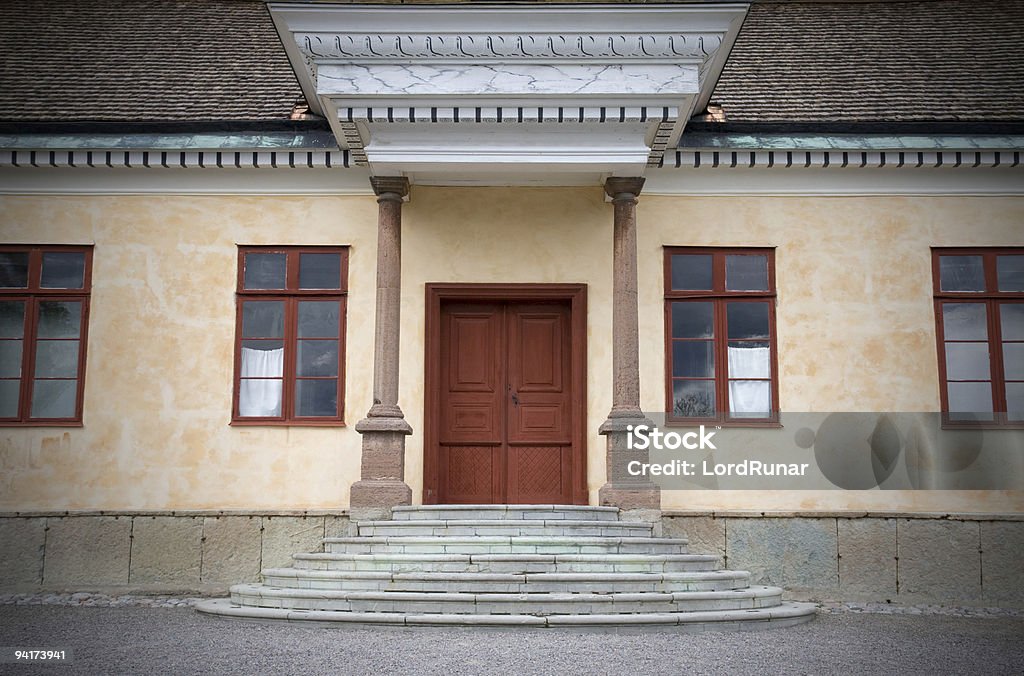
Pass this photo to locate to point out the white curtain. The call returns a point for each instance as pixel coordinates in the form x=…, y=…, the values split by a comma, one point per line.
x=260, y=398
x=751, y=397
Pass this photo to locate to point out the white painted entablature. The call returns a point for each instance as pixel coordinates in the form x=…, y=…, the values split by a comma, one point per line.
x=508, y=93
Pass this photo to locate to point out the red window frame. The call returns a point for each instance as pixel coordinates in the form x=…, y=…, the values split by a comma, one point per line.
x=720, y=297
x=291, y=295
x=32, y=295
x=992, y=298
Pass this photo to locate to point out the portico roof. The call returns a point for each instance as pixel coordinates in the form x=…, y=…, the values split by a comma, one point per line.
x=507, y=93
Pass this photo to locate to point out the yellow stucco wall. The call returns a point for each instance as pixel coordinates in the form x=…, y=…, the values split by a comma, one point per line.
x=853, y=277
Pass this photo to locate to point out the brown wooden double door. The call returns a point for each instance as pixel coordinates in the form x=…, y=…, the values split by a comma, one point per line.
x=505, y=428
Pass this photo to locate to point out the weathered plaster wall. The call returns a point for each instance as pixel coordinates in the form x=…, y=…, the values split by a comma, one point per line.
x=854, y=280
x=158, y=379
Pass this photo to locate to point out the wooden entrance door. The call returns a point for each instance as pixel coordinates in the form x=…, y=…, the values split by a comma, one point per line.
x=506, y=402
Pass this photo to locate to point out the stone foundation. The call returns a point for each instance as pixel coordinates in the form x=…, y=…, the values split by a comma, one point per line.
x=946, y=559
x=165, y=552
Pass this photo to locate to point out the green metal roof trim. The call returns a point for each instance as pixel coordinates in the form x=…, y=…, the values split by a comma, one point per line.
x=847, y=142
x=318, y=140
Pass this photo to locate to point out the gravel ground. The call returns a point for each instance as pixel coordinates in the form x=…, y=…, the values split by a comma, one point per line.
x=130, y=639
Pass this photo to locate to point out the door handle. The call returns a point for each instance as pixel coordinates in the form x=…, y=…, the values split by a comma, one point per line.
x=515, y=399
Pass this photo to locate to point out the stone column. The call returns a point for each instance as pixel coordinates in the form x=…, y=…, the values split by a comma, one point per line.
x=622, y=490
x=382, y=478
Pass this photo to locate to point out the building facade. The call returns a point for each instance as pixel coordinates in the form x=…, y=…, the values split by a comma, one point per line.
x=432, y=260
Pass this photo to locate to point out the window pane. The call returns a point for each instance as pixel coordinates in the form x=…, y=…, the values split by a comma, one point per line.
x=747, y=320
x=263, y=319
x=10, y=396
x=14, y=269
x=10, y=358
x=693, y=358
x=750, y=360
x=693, y=320
x=693, y=398
x=749, y=399
x=964, y=321
x=1011, y=317
x=12, y=319
x=746, y=273
x=262, y=359
x=316, y=398
x=59, y=319
x=56, y=359
x=53, y=398
x=961, y=273
x=318, y=319
x=691, y=272
x=1013, y=361
x=259, y=398
x=1010, y=273
x=265, y=270
x=970, y=401
x=63, y=270
x=1015, y=401
x=320, y=271
x=967, y=361
x=317, y=358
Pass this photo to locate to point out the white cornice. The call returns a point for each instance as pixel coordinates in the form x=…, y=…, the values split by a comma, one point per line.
x=395, y=59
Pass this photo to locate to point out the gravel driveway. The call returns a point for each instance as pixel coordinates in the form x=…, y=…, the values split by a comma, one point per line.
x=138, y=640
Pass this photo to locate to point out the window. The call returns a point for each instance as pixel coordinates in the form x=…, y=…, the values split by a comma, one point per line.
x=720, y=335
x=44, y=310
x=979, y=312
x=289, y=345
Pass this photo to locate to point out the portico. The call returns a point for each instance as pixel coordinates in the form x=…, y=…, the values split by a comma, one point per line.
x=499, y=96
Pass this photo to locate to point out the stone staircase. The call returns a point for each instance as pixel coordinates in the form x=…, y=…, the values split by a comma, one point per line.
x=536, y=565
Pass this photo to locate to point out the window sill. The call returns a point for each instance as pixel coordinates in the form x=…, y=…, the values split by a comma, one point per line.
x=42, y=423
x=726, y=424
x=287, y=423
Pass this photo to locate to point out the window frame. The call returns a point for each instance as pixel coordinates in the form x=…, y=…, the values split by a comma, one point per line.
x=291, y=296
x=719, y=296
x=32, y=295
x=992, y=299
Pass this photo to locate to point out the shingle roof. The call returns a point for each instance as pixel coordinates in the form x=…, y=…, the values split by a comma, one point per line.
x=795, y=61
x=956, y=60
x=142, y=60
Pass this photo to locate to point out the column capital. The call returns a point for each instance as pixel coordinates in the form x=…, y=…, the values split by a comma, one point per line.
x=390, y=187
x=621, y=187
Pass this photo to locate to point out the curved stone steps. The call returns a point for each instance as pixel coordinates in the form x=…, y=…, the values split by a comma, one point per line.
x=540, y=604
x=494, y=512
x=716, y=580
x=535, y=527
x=492, y=565
x=493, y=544
x=508, y=563
x=783, y=615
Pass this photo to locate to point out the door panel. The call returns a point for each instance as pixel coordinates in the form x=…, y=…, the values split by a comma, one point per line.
x=505, y=432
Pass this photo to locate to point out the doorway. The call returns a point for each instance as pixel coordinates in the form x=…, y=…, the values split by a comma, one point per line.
x=505, y=398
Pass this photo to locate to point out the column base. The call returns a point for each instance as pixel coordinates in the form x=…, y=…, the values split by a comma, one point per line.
x=623, y=490
x=372, y=499
x=382, y=483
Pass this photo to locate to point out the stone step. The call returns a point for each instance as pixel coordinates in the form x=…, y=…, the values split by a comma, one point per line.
x=495, y=512
x=539, y=604
x=494, y=544
x=497, y=527
x=718, y=580
x=508, y=563
x=784, y=615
